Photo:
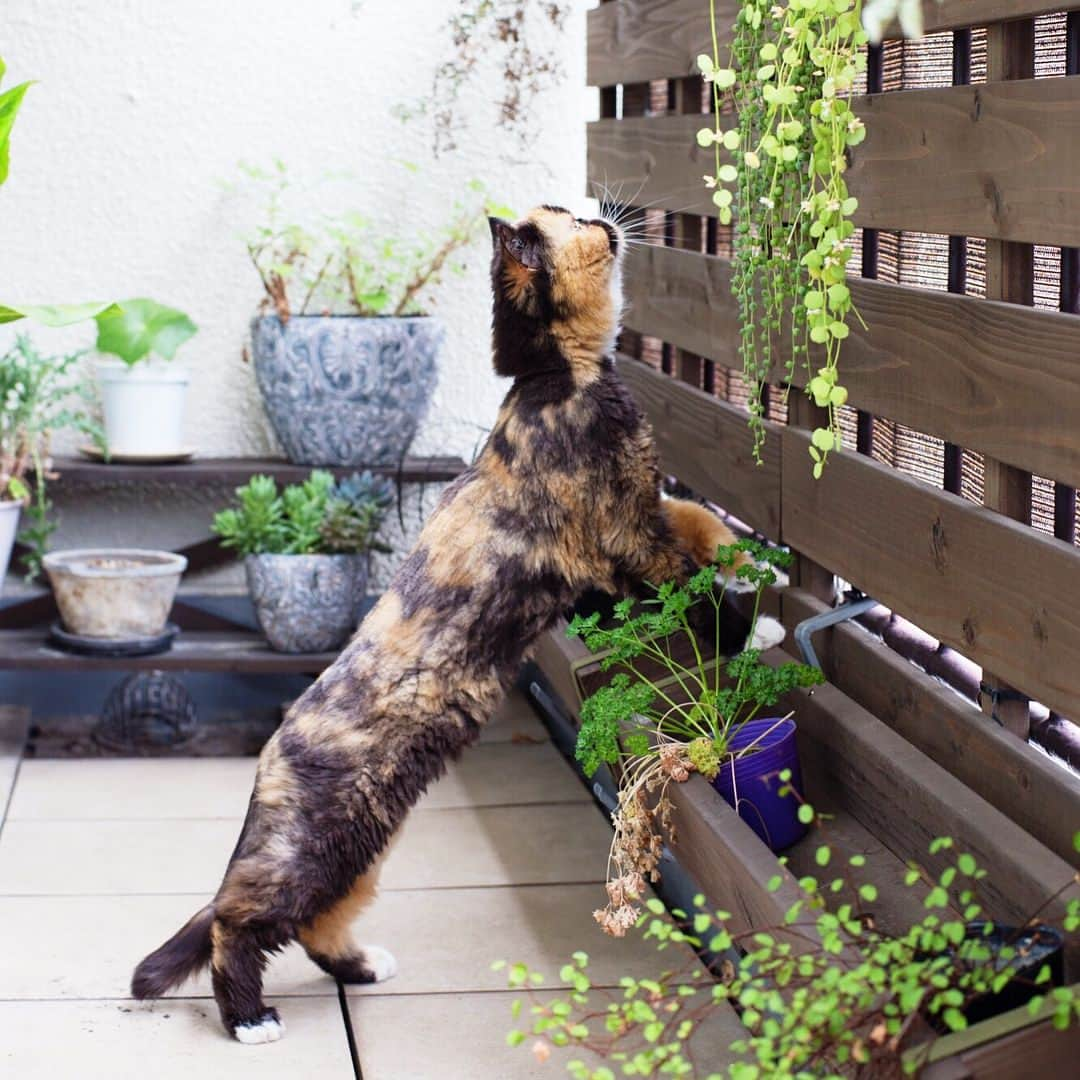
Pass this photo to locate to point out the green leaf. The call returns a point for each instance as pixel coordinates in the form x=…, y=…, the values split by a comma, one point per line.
x=805, y=813
x=10, y=101
x=53, y=315
x=705, y=137
x=868, y=893
x=143, y=327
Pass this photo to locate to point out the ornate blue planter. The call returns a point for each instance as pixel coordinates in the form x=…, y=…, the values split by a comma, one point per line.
x=345, y=390
x=307, y=603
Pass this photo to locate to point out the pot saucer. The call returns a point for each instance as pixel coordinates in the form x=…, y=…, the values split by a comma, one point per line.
x=133, y=646
x=175, y=457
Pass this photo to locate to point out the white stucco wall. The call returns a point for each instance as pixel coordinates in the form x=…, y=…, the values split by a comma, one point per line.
x=144, y=107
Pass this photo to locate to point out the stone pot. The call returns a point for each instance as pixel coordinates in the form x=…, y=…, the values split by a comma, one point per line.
x=114, y=593
x=345, y=390
x=307, y=603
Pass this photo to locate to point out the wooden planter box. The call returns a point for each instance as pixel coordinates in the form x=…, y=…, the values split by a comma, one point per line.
x=888, y=801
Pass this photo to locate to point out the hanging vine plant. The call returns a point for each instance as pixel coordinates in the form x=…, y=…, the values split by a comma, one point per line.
x=779, y=174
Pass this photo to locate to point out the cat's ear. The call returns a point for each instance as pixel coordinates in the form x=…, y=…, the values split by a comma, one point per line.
x=513, y=242
x=501, y=231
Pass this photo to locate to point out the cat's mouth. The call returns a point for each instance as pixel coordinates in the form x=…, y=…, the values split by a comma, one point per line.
x=612, y=233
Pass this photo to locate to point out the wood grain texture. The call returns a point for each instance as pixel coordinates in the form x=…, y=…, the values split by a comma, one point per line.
x=906, y=800
x=706, y=444
x=636, y=40
x=1024, y=784
x=1000, y=160
x=997, y=378
x=726, y=858
x=1004, y=595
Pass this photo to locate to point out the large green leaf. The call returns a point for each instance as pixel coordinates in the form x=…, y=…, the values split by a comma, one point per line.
x=57, y=314
x=143, y=327
x=10, y=100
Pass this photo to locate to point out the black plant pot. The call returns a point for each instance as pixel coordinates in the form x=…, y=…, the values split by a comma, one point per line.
x=1035, y=946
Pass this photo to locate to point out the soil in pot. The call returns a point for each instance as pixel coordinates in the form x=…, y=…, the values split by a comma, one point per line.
x=345, y=390
x=114, y=593
x=750, y=781
x=307, y=603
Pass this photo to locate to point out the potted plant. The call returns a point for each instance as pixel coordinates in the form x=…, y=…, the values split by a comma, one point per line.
x=114, y=600
x=662, y=718
x=823, y=993
x=306, y=552
x=142, y=392
x=39, y=394
x=345, y=354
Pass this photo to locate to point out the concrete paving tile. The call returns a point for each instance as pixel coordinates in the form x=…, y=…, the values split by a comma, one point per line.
x=168, y=1040
x=444, y=848
x=496, y=774
x=514, y=721
x=511, y=845
x=132, y=789
x=78, y=857
x=540, y=924
x=56, y=947
x=463, y=1037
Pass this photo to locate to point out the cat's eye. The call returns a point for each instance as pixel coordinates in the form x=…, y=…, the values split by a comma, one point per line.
x=517, y=244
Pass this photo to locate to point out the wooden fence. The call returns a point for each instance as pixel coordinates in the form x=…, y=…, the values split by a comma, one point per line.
x=991, y=376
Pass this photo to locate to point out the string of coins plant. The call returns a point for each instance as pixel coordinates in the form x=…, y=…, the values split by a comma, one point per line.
x=824, y=993
x=779, y=173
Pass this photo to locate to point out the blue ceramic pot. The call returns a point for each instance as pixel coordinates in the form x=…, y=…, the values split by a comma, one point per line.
x=345, y=390
x=307, y=603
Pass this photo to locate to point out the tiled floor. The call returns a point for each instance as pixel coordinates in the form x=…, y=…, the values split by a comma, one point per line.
x=101, y=860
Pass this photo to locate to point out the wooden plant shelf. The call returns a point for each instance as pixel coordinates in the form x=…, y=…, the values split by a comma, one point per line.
x=234, y=651
x=78, y=472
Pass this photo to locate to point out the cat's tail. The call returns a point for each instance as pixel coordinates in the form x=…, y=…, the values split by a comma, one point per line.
x=185, y=953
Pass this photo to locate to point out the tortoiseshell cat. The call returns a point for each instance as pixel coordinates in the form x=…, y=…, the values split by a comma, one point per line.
x=564, y=497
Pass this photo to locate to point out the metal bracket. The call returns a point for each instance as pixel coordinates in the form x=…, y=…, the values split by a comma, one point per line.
x=858, y=605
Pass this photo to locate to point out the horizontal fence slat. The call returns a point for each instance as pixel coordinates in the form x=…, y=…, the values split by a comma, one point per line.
x=1022, y=782
x=1001, y=593
x=705, y=443
x=637, y=40
x=1001, y=379
x=1001, y=160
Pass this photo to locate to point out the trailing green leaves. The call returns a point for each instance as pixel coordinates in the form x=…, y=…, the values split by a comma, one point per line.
x=792, y=68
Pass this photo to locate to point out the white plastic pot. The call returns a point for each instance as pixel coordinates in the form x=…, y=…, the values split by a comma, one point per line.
x=9, y=526
x=144, y=407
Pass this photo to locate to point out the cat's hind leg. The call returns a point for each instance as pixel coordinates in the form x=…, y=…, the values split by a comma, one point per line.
x=329, y=942
x=236, y=969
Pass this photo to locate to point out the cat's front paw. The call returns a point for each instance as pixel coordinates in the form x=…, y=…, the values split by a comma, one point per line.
x=768, y=633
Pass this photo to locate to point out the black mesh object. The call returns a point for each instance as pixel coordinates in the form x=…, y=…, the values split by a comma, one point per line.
x=149, y=710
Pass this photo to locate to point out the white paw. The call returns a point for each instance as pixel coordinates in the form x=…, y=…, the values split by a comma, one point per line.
x=741, y=585
x=768, y=633
x=380, y=962
x=267, y=1030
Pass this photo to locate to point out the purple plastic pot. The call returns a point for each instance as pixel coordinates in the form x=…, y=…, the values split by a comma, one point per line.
x=751, y=783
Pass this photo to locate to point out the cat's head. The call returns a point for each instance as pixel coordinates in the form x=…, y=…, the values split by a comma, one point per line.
x=556, y=277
